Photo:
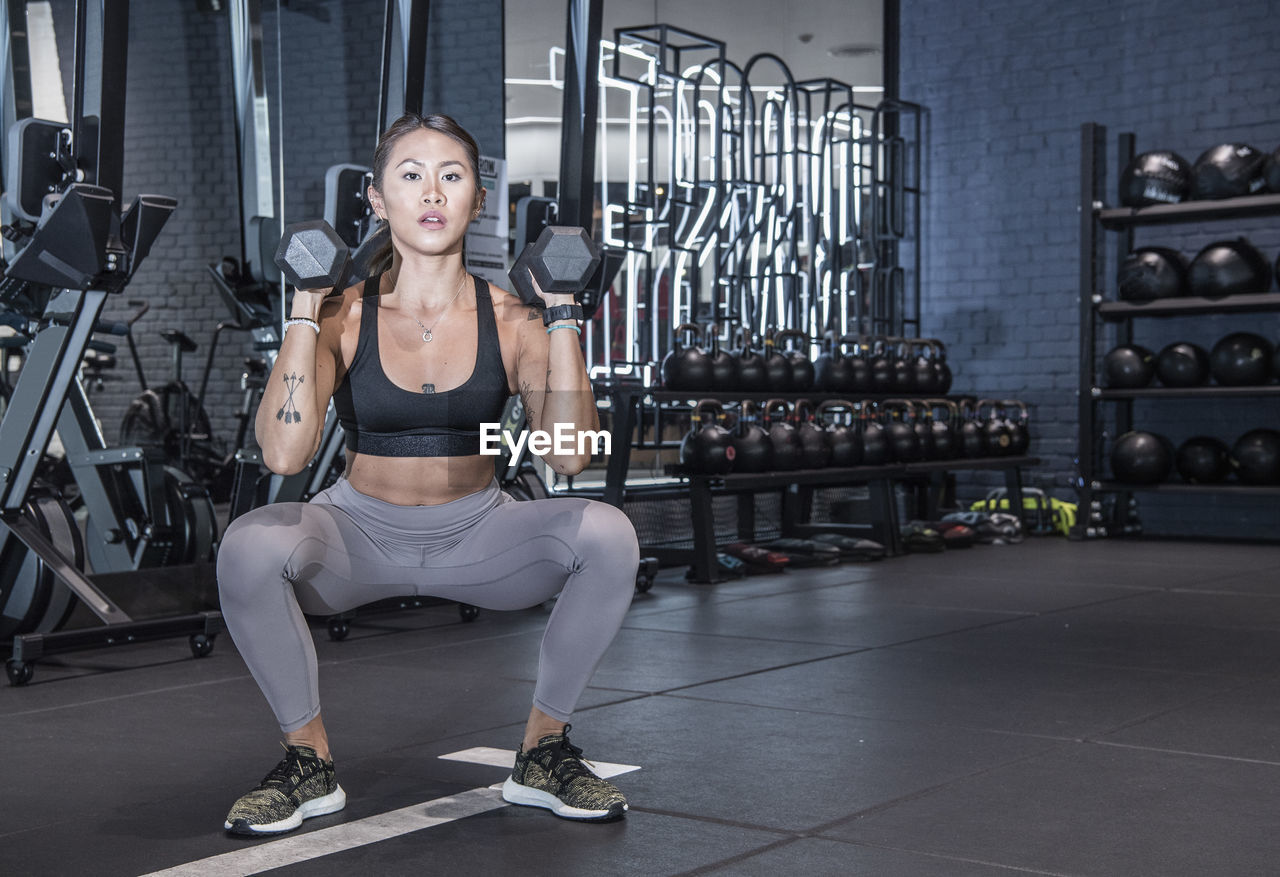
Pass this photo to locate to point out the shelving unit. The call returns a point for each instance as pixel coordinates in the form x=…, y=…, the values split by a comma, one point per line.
x=632, y=409
x=1096, y=219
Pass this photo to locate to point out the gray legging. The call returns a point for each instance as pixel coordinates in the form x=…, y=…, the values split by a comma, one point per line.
x=344, y=549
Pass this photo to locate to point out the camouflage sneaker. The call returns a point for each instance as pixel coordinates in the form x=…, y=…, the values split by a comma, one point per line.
x=302, y=785
x=554, y=775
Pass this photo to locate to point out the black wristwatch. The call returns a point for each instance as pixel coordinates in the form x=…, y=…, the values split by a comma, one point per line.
x=561, y=312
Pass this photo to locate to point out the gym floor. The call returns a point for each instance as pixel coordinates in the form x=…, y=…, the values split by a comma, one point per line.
x=1101, y=708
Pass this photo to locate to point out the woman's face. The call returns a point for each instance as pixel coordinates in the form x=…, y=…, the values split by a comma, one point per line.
x=428, y=193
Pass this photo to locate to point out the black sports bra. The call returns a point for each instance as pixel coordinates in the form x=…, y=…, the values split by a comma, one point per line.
x=384, y=420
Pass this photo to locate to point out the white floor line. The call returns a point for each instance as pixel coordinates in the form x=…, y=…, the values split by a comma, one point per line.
x=314, y=844
x=507, y=757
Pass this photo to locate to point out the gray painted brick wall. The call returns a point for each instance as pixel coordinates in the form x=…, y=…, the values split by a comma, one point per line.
x=1007, y=85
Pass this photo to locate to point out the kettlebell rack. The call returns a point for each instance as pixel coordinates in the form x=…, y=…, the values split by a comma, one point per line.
x=629, y=402
x=1097, y=402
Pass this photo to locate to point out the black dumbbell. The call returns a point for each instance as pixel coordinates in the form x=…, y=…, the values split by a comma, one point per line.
x=312, y=256
x=562, y=259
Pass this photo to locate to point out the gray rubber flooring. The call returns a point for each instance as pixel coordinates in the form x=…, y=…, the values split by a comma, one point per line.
x=1101, y=708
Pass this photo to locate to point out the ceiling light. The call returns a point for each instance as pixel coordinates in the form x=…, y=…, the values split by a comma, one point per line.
x=853, y=50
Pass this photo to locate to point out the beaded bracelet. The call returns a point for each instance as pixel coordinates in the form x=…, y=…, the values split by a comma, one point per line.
x=305, y=321
x=551, y=329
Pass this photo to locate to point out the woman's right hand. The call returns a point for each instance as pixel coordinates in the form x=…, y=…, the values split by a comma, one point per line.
x=306, y=303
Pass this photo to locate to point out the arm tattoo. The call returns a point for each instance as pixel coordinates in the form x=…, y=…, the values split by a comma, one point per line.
x=289, y=412
x=526, y=396
x=532, y=315
x=548, y=389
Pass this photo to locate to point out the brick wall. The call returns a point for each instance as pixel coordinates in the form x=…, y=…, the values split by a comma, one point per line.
x=465, y=69
x=1008, y=85
x=179, y=141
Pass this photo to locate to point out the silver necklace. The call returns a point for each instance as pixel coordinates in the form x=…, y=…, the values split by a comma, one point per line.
x=426, y=330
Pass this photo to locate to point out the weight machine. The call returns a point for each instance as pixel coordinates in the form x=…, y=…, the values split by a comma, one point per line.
x=76, y=248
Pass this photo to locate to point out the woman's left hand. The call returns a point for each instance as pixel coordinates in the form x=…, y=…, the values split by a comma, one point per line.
x=559, y=298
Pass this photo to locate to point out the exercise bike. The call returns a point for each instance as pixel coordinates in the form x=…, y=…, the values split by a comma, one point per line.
x=140, y=512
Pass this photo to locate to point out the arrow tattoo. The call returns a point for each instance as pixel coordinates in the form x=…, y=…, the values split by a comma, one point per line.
x=289, y=413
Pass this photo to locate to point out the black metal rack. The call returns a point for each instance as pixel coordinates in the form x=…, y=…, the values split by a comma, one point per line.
x=628, y=405
x=1115, y=311
x=1095, y=219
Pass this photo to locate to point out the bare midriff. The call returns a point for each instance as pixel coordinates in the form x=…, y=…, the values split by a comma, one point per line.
x=414, y=481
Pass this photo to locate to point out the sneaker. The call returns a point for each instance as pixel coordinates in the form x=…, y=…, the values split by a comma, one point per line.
x=554, y=775
x=302, y=785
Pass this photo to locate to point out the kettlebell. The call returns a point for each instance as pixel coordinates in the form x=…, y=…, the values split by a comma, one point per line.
x=751, y=369
x=875, y=443
x=753, y=452
x=922, y=423
x=904, y=376
x=900, y=432
x=724, y=367
x=999, y=433
x=942, y=371
x=831, y=370
x=973, y=438
x=815, y=443
x=686, y=368
x=801, y=367
x=787, y=453
x=923, y=373
x=945, y=444
x=707, y=447
x=856, y=361
x=846, y=441
x=881, y=363
x=777, y=366
x=1019, y=426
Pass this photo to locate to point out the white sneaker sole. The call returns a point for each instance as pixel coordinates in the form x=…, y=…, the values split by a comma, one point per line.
x=515, y=793
x=330, y=803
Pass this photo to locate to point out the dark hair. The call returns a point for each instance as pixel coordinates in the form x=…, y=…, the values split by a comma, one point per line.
x=407, y=124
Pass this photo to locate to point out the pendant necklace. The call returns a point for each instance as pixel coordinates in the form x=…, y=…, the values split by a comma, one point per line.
x=426, y=330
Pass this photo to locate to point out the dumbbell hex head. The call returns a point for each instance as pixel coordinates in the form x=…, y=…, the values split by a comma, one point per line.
x=311, y=255
x=562, y=259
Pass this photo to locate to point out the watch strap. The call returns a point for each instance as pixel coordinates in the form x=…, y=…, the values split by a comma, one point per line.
x=561, y=312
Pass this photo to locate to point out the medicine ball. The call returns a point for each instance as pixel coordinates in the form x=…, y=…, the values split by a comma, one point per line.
x=1241, y=359
x=1228, y=170
x=1271, y=171
x=1256, y=456
x=1182, y=364
x=1229, y=268
x=1203, y=460
x=1129, y=367
x=1158, y=177
x=1141, y=458
x=1152, y=272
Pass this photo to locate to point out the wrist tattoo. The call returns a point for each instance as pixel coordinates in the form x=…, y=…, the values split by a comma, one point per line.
x=289, y=412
